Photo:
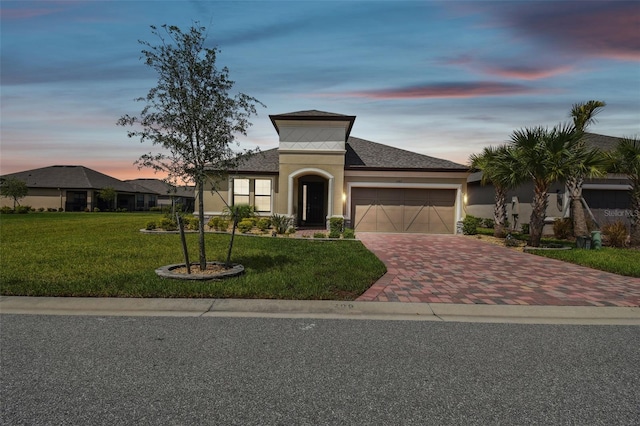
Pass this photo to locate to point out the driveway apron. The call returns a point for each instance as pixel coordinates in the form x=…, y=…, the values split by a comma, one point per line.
x=461, y=269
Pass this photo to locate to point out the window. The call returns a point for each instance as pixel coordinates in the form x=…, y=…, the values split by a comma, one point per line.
x=139, y=201
x=256, y=192
x=240, y=191
x=263, y=195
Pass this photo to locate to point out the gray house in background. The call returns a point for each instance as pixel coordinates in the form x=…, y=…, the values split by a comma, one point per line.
x=76, y=188
x=608, y=198
x=168, y=194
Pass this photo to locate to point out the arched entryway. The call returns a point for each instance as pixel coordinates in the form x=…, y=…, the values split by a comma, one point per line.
x=310, y=197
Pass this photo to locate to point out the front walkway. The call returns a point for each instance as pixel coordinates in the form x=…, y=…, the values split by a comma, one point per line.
x=458, y=269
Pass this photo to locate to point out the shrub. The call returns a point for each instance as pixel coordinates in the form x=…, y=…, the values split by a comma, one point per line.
x=334, y=233
x=525, y=228
x=336, y=224
x=616, y=233
x=470, y=225
x=263, y=224
x=192, y=223
x=23, y=209
x=562, y=228
x=245, y=225
x=214, y=222
x=167, y=224
x=281, y=223
x=96, y=210
x=348, y=234
x=319, y=235
x=6, y=210
x=488, y=223
x=150, y=226
x=40, y=209
x=60, y=209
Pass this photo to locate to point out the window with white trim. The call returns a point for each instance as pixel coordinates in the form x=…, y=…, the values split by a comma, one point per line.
x=262, y=195
x=240, y=191
x=256, y=192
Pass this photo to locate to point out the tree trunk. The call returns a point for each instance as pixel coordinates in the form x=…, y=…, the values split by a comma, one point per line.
x=500, y=213
x=538, y=214
x=233, y=234
x=635, y=217
x=578, y=218
x=203, y=256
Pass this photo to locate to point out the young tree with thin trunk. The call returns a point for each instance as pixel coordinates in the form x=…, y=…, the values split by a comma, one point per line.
x=13, y=188
x=190, y=114
x=625, y=159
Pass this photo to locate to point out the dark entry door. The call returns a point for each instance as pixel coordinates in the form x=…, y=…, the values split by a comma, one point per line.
x=311, y=202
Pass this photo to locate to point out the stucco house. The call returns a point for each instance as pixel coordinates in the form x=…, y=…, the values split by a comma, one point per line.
x=608, y=198
x=76, y=188
x=168, y=194
x=319, y=171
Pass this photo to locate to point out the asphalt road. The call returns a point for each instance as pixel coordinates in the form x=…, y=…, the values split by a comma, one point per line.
x=247, y=371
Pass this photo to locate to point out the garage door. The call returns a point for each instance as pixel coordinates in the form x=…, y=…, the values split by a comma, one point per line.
x=430, y=211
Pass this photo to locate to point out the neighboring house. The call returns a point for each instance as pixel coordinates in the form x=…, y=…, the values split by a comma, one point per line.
x=319, y=172
x=168, y=194
x=608, y=198
x=76, y=188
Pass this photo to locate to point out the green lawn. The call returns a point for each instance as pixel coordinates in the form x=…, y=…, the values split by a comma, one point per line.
x=104, y=254
x=619, y=261
x=616, y=260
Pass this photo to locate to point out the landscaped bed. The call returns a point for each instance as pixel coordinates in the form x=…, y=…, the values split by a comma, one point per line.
x=105, y=254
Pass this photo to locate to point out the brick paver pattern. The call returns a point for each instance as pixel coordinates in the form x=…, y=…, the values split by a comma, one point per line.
x=459, y=269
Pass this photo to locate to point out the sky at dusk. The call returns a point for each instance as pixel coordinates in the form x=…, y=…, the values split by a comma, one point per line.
x=439, y=78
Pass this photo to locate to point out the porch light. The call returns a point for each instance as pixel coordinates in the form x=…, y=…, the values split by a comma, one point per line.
x=464, y=198
x=344, y=197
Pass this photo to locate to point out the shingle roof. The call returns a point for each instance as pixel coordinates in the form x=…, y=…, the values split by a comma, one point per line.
x=605, y=143
x=361, y=154
x=76, y=177
x=160, y=187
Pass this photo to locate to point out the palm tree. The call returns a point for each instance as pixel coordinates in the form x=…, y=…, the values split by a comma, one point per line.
x=583, y=115
x=498, y=166
x=626, y=160
x=544, y=156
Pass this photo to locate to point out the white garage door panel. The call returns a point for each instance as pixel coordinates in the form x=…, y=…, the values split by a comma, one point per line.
x=404, y=210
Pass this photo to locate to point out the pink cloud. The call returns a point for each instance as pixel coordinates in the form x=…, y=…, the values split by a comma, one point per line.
x=601, y=29
x=447, y=90
x=528, y=73
x=24, y=13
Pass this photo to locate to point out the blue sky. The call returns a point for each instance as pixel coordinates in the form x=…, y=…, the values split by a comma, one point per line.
x=439, y=78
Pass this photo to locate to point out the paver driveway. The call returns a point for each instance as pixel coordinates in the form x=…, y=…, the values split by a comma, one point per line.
x=459, y=269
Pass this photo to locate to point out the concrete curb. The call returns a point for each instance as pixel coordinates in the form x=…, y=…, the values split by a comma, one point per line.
x=327, y=309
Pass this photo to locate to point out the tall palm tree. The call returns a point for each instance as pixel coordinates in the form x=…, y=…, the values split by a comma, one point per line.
x=626, y=160
x=499, y=167
x=544, y=156
x=583, y=115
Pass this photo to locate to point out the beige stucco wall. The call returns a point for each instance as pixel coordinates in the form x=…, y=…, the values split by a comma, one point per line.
x=46, y=198
x=214, y=204
x=293, y=165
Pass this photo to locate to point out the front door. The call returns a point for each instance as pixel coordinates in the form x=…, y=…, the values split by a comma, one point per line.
x=311, y=202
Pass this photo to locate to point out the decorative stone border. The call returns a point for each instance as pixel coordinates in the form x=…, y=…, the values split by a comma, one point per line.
x=167, y=272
